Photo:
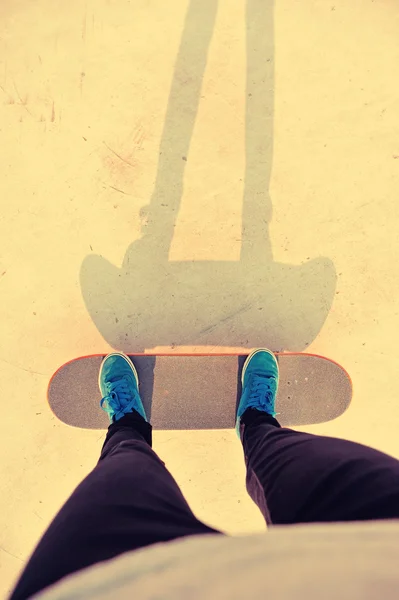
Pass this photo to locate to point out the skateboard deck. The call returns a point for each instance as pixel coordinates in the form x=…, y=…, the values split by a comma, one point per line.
x=181, y=391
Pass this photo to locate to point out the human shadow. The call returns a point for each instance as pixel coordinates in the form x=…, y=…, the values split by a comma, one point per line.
x=151, y=301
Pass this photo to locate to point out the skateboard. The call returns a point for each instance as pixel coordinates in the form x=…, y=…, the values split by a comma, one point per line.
x=197, y=391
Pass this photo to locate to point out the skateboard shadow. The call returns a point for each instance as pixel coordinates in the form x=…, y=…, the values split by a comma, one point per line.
x=150, y=301
x=202, y=392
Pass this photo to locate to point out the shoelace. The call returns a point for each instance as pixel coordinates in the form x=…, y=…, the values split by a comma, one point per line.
x=119, y=400
x=262, y=391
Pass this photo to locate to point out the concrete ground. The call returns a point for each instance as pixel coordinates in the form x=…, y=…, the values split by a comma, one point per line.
x=141, y=138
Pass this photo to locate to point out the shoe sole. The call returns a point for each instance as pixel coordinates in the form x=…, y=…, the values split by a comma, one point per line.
x=127, y=359
x=253, y=354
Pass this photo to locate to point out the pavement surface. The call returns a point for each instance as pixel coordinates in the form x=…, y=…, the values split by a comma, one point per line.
x=191, y=176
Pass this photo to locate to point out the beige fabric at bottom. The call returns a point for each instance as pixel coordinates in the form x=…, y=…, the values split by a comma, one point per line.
x=346, y=561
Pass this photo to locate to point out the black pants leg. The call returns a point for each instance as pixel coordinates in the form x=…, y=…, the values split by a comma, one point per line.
x=296, y=477
x=128, y=501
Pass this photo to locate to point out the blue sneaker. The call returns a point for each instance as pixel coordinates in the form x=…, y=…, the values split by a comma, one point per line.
x=119, y=386
x=259, y=378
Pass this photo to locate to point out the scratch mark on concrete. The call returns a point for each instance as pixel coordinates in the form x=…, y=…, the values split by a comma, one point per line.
x=22, y=368
x=167, y=440
x=23, y=102
x=118, y=155
x=366, y=204
x=118, y=190
x=228, y=318
x=5, y=64
x=11, y=554
x=10, y=98
x=82, y=76
x=84, y=24
x=139, y=135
